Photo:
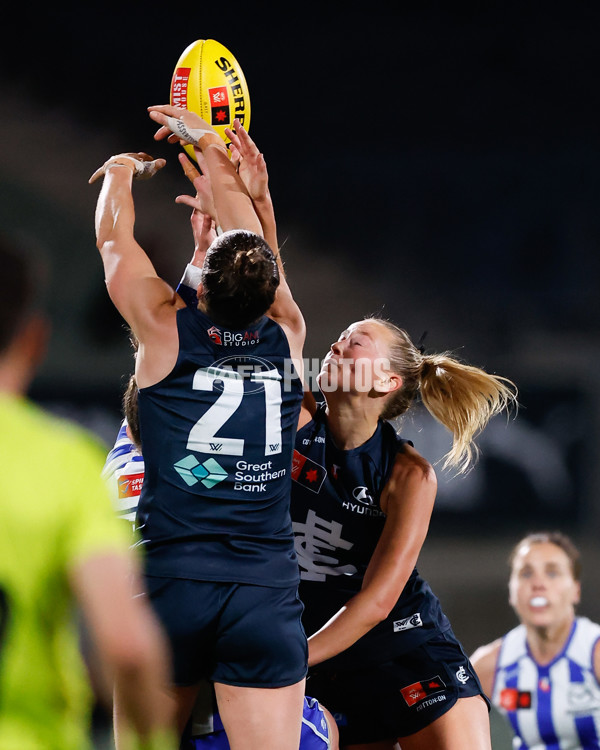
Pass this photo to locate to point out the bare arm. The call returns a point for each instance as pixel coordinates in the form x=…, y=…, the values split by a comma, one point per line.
x=253, y=172
x=131, y=279
x=233, y=203
x=147, y=303
x=129, y=642
x=307, y=410
x=407, y=500
x=252, y=168
x=484, y=662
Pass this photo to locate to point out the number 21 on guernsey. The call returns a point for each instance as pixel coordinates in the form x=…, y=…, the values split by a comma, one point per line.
x=202, y=437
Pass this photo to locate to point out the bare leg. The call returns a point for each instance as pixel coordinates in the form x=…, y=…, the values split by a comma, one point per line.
x=184, y=698
x=261, y=718
x=384, y=745
x=466, y=724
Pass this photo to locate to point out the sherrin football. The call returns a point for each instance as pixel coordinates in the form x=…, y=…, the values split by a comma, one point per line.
x=209, y=81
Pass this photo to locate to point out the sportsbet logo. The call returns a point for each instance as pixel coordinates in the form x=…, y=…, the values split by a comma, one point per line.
x=192, y=471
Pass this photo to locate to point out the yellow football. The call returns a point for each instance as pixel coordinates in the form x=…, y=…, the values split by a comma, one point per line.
x=209, y=81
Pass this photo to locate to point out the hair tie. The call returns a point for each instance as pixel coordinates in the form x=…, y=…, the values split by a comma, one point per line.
x=419, y=345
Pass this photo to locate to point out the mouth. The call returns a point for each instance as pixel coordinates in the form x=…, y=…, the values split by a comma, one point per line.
x=537, y=602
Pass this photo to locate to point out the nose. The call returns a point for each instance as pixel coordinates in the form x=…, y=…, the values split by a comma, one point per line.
x=336, y=348
x=537, y=582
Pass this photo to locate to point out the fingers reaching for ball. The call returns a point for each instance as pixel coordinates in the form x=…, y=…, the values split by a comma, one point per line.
x=186, y=126
x=189, y=170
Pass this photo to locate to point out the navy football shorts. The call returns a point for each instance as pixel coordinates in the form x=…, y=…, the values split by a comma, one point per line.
x=397, y=698
x=234, y=633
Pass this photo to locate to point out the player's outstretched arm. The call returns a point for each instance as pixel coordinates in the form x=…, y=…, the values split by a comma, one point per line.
x=233, y=204
x=252, y=168
x=203, y=220
x=131, y=279
x=253, y=171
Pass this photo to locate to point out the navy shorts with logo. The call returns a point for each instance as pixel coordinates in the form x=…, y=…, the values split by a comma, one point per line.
x=234, y=633
x=397, y=698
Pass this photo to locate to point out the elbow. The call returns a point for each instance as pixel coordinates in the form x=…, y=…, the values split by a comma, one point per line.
x=379, y=611
x=384, y=610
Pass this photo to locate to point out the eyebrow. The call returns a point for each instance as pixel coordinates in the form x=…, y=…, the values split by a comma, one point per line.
x=357, y=333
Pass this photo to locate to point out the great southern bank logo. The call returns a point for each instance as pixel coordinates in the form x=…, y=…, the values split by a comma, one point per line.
x=209, y=473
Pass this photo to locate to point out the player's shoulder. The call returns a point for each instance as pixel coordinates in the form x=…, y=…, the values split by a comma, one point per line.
x=487, y=655
x=409, y=465
x=485, y=661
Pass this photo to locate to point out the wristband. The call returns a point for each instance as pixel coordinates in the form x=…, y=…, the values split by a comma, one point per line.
x=192, y=276
x=121, y=164
x=140, y=170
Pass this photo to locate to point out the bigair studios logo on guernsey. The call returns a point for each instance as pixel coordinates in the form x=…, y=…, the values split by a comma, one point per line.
x=232, y=338
x=215, y=335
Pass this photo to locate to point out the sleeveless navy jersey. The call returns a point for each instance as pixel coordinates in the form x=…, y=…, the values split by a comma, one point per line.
x=337, y=521
x=217, y=438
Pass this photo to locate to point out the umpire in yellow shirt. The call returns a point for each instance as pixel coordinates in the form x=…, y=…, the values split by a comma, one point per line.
x=61, y=544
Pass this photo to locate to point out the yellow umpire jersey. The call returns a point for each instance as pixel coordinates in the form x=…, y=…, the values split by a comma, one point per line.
x=54, y=512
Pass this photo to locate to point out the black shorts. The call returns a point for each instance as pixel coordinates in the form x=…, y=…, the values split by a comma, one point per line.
x=399, y=697
x=235, y=633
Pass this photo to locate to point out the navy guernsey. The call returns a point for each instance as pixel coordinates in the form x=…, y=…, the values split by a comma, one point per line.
x=337, y=521
x=217, y=438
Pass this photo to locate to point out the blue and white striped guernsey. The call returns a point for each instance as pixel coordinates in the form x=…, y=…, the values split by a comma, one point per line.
x=555, y=706
x=124, y=475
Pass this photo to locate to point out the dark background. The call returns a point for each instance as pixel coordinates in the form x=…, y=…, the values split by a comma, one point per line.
x=435, y=162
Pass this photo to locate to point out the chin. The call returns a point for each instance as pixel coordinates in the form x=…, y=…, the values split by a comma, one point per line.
x=541, y=619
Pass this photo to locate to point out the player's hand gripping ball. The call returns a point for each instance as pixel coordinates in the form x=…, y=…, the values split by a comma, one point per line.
x=209, y=81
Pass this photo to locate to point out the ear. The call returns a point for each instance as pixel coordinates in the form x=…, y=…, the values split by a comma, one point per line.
x=387, y=382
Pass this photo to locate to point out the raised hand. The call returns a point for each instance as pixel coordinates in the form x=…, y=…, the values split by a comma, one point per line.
x=249, y=161
x=141, y=164
x=185, y=126
x=203, y=201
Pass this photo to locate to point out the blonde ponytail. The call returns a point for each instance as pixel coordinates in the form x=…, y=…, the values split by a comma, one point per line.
x=461, y=397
